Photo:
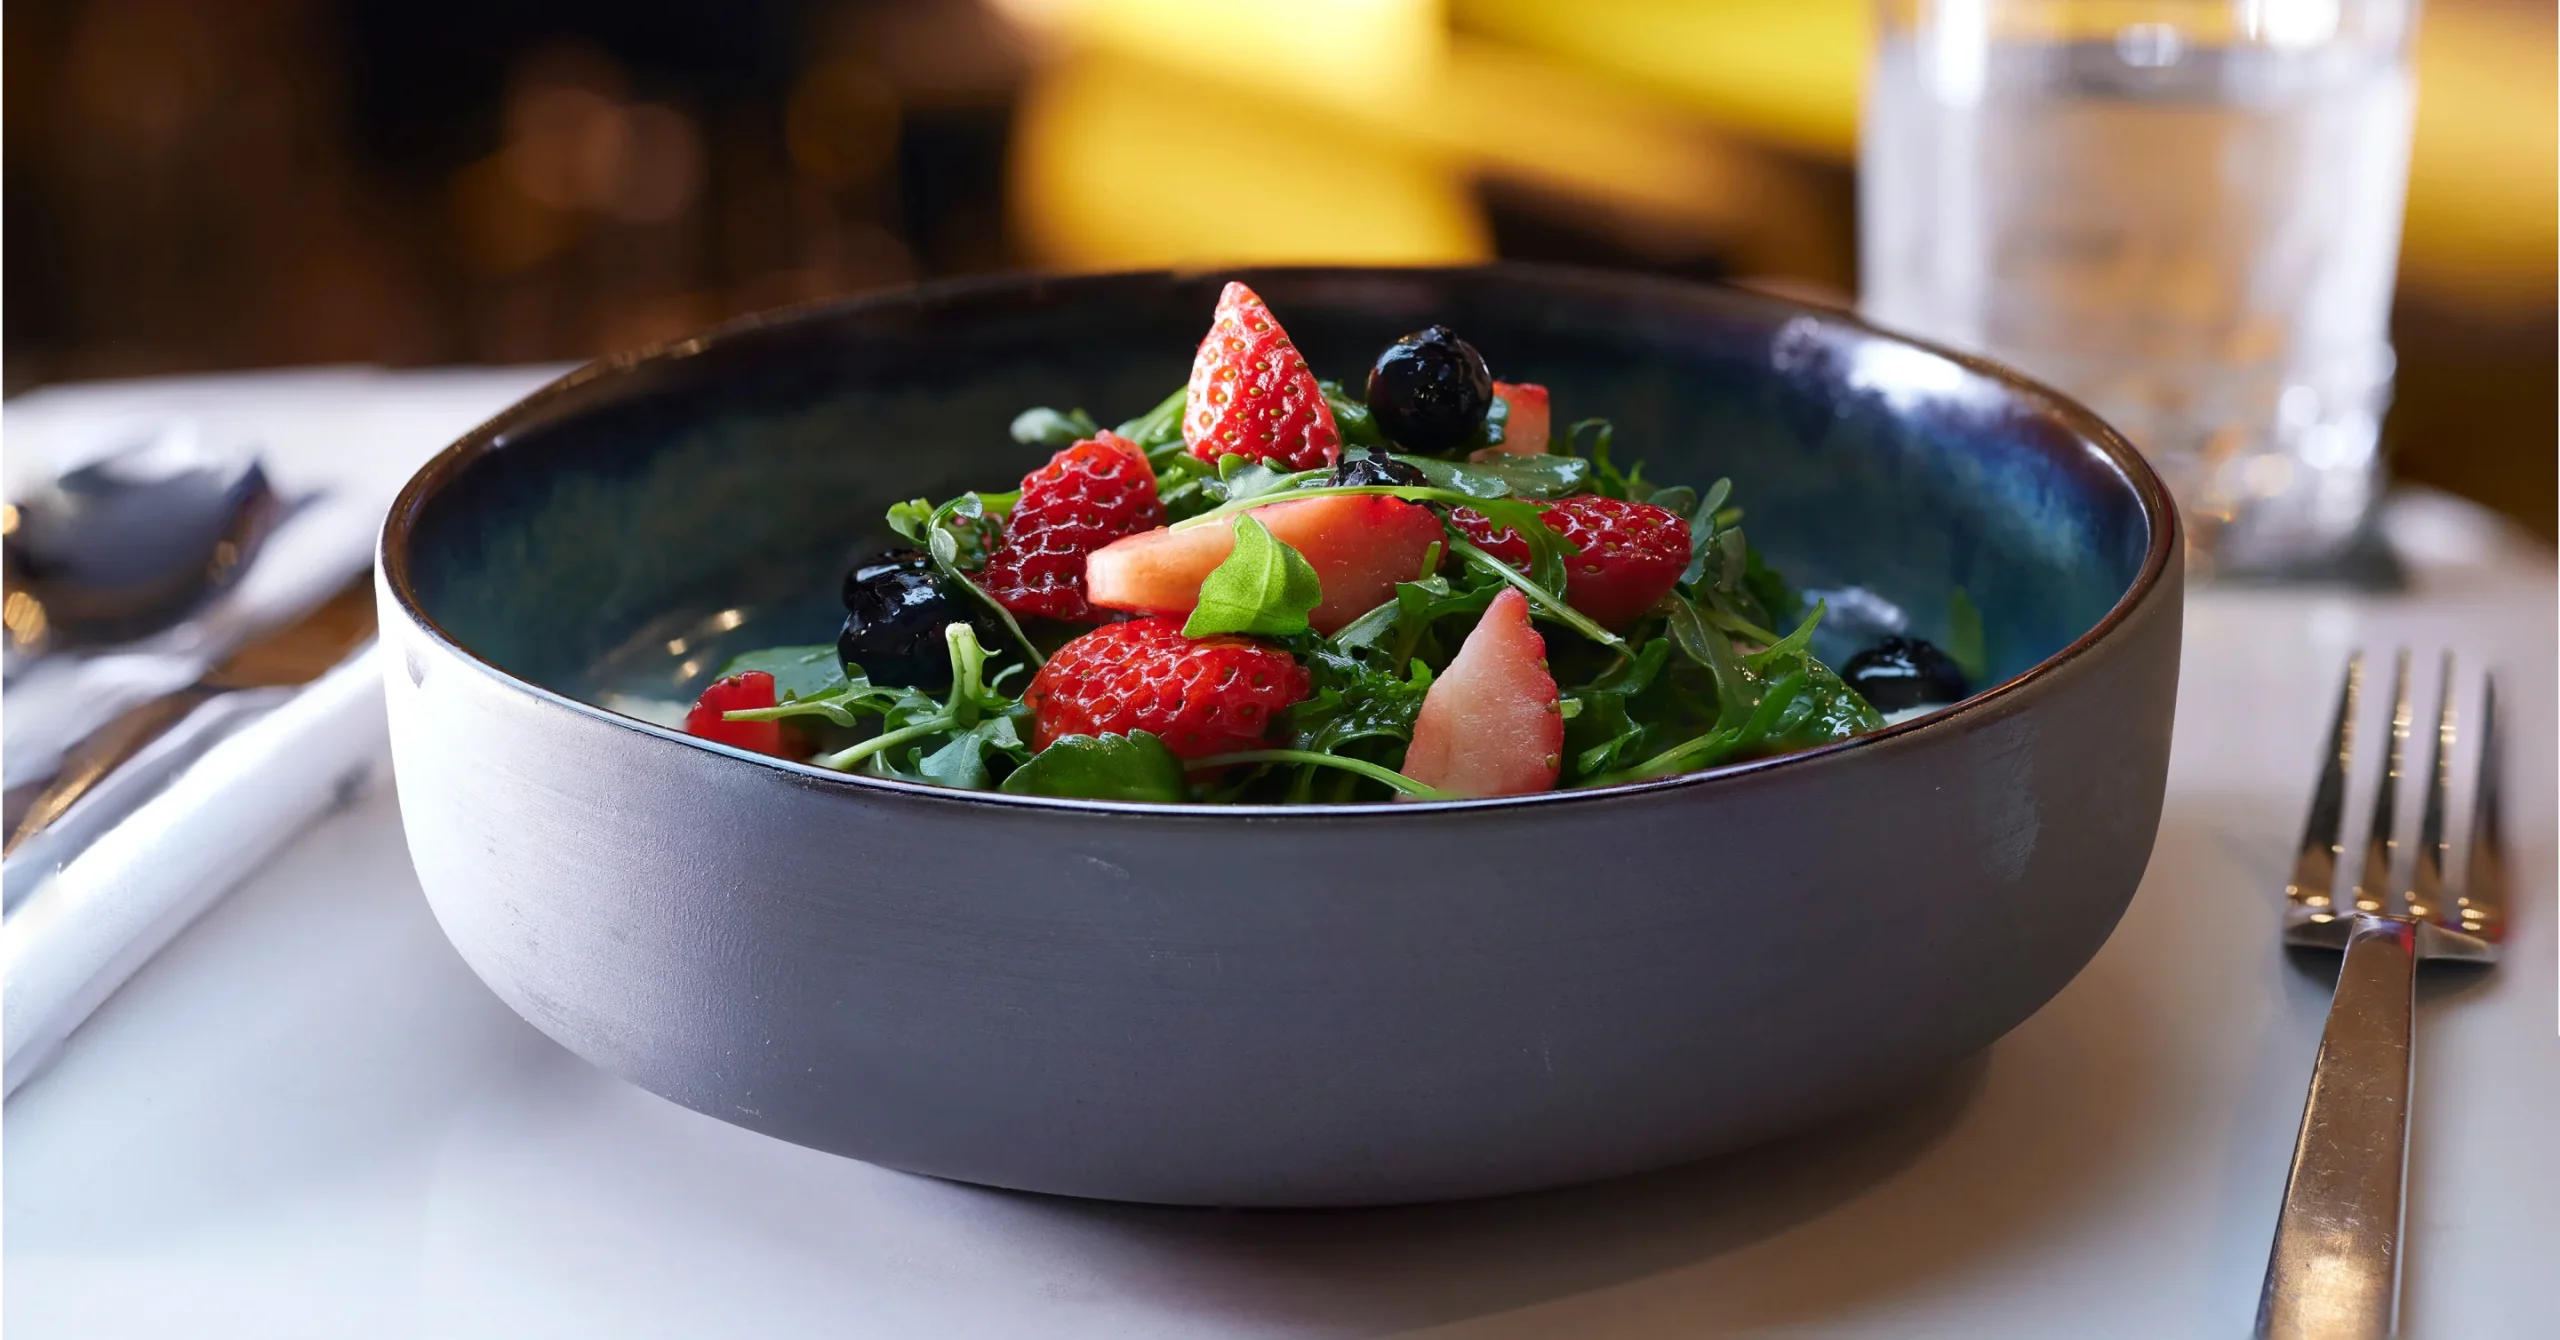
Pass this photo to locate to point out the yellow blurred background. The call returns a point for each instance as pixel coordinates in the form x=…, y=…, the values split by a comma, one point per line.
x=199, y=186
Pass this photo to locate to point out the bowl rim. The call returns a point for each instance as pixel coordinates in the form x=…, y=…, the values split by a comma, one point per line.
x=2159, y=511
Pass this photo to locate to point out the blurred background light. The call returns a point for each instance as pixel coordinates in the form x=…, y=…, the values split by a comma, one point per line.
x=193, y=186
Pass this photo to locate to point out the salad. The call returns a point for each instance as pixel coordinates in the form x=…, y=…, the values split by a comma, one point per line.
x=1267, y=590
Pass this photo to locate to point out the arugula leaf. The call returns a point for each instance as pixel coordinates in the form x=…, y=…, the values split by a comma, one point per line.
x=1770, y=599
x=798, y=672
x=1158, y=428
x=1359, y=426
x=1045, y=427
x=1539, y=477
x=1402, y=626
x=1351, y=702
x=973, y=522
x=1791, y=648
x=979, y=517
x=1494, y=429
x=1703, y=526
x=1679, y=499
x=1263, y=587
x=1379, y=773
x=1540, y=588
x=1135, y=766
x=1964, y=636
x=1604, y=724
x=1455, y=477
x=963, y=763
x=1241, y=477
x=920, y=738
x=1606, y=479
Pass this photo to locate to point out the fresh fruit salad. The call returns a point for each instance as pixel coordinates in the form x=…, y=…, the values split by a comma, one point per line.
x=1267, y=590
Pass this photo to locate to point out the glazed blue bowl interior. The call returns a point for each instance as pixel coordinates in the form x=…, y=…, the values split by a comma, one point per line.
x=700, y=505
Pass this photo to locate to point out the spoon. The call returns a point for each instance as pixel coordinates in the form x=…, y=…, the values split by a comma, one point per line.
x=128, y=544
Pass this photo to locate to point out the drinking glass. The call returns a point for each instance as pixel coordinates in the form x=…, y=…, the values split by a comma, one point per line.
x=2186, y=213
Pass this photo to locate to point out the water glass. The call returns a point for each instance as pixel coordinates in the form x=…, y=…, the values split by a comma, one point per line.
x=2186, y=213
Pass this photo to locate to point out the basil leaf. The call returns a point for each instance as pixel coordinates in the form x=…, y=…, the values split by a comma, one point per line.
x=1263, y=587
x=1135, y=766
x=798, y=672
x=1045, y=427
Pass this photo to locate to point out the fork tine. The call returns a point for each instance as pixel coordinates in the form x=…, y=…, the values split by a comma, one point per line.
x=2426, y=874
x=2315, y=865
x=2483, y=904
x=2373, y=883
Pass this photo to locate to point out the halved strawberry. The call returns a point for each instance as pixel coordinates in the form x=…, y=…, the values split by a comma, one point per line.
x=1628, y=555
x=1251, y=393
x=1524, y=433
x=1490, y=724
x=738, y=693
x=1360, y=545
x=1211, y=695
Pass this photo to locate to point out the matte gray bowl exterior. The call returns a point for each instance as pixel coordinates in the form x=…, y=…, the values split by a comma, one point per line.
x=1317, y=1007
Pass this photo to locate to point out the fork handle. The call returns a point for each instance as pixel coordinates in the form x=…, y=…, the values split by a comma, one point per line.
x=2334, y=1273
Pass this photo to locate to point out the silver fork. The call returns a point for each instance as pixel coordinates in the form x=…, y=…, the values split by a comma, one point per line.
x=2335, y=1268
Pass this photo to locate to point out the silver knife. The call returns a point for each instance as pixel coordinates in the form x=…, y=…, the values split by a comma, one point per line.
x=124, y=763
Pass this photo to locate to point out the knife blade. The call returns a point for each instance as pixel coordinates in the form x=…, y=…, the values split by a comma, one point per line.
x=121, y=764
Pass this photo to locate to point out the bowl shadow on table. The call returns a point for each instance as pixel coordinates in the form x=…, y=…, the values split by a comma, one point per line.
x=1931, y=1184
x=1927, y=1183
x=1424, y=1265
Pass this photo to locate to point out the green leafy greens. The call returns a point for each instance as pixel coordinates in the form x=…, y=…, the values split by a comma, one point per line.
x=1706, y=677
x=1135, y=766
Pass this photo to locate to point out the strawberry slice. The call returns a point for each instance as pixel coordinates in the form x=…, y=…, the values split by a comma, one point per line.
x=1251, y=393
x=1524, y=433
x=738, y=693
x=1490, y=725
x=1360, y=547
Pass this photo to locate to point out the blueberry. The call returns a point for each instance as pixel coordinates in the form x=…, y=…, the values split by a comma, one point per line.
x=1902, y=672
x=1429, y=391
x=1377, y=467
x=897, y=606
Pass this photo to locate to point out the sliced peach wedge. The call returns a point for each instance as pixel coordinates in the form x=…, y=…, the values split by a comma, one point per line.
x=1491, y=724
x=1360, y=545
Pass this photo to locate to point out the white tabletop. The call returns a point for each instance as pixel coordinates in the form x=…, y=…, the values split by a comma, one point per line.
x=309, y=1119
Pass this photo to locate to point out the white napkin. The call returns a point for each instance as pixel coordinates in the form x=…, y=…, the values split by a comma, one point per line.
x=90, y=927
x=350, y=435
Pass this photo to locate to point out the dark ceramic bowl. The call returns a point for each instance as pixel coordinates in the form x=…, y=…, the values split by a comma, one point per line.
x=1265, y=1006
